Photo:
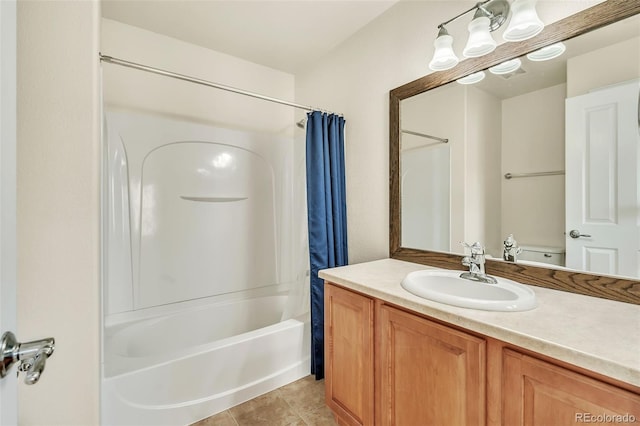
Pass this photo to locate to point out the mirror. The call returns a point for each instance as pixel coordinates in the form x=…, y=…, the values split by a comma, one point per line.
x=501, y=150
x=448, y=165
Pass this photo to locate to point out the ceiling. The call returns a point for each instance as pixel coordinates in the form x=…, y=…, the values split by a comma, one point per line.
x=538, y=75
x=286, y=35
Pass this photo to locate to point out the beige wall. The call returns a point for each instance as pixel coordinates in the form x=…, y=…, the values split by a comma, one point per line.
x=621, y=60
x=533, y=132
x=482, y=165
x=130, y=89
x=58, y=206
x=355, y=79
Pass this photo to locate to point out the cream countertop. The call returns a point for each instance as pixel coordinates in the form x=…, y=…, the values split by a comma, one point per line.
x=596, y=334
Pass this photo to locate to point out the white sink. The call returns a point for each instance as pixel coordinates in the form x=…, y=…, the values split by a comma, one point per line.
x=447, y=287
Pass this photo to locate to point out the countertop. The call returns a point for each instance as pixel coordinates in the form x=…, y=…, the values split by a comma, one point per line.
x=596, y=334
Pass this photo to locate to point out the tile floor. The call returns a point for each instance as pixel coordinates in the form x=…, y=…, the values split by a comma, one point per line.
x=297, y=404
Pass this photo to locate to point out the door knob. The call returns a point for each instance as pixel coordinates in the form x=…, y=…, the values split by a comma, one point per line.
x=31, y=356
x=574, y=233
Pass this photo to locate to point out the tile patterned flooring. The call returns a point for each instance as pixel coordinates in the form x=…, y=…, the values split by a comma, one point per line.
x=300, y=403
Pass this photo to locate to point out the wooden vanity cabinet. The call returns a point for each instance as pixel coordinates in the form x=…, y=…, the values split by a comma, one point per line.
x=427, y=373
x=349, y=349
x=536, y=392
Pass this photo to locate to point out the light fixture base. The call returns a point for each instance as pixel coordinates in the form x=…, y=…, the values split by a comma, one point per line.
x=499, y=12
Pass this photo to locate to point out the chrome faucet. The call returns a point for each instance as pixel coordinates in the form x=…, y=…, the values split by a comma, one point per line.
x=31, y=356
x=511, y=250
x=476, y=262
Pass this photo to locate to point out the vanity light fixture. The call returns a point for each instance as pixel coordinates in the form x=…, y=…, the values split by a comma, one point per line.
x=506, y=67
x=444, y=58
x=547, y=52
x=489, y=16
x=472, y=78
x=524, y=23
x=480, y=41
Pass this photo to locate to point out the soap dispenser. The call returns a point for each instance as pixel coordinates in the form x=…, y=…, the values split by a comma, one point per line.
x=511, y=249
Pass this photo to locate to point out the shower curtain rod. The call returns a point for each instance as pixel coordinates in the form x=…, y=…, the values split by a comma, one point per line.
x=128, y=64
x=424, y=135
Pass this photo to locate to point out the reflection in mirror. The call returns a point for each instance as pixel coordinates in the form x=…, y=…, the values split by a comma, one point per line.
x=565, y=133
x=425, y=182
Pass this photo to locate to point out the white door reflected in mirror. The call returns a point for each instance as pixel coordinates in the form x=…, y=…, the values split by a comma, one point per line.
x=602, y=181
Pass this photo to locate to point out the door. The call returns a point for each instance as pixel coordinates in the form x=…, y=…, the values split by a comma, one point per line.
x=602, y=217
x=8, y=385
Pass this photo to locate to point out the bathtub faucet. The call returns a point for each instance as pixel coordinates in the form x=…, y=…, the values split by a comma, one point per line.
x=31, y=356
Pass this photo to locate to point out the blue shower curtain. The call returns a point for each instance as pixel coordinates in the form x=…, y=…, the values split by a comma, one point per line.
x=327, y=216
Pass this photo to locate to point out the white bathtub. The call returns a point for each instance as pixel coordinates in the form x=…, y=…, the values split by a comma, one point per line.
x=179, y=368
x=203, y=240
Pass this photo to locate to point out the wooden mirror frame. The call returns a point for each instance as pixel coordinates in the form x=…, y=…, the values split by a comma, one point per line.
x=624, y=290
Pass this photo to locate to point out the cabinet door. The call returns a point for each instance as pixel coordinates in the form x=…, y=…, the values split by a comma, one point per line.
x=430, y=374
x=536, y=392
x=349, y=371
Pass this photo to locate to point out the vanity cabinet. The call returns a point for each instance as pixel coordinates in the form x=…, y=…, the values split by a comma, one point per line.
x=427, y=373
x=536, y=392
x=348, y=342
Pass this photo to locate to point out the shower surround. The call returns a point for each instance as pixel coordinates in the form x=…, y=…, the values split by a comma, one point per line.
x=204, y=269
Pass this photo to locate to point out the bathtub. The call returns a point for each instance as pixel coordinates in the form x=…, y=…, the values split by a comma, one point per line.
x=204, y=253
x=178, y=368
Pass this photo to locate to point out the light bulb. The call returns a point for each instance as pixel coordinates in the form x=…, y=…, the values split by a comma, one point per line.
x=480, y=41
x=472, y=78
x=524, y=22
x=547, y=52
x=444, y=57
x=506, y=67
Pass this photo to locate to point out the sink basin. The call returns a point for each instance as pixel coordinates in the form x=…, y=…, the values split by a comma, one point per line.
x=447, y=287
